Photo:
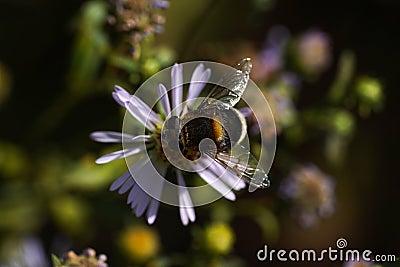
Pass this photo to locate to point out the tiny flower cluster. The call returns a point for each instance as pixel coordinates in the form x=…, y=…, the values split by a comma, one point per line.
x=139, y=18
x=87, y=259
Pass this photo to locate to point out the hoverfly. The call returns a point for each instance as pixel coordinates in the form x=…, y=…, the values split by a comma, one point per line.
x=216, y=118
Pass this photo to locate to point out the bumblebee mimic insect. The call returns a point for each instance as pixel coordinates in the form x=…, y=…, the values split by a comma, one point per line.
x=218, y=120
x=225, y=127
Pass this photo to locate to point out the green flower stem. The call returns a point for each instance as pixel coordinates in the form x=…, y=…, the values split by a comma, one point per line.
x=344, y=75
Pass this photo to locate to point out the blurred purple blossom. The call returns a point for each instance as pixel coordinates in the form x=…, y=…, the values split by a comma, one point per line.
x=29, y=252
x=313, y=51
x=311, y=193
x=357, y=264
x=270, y=58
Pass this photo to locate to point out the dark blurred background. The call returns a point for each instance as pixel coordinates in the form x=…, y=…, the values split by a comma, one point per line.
x=37, y=42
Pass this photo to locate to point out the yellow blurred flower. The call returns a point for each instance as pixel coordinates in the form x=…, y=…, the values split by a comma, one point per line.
x=219, y=238
x=71, y=213
x=370, y=90
x=13, y=161
x=150, y=67
x=342, y=122
x=370, y=94
x=141, y=243
x=87, y=258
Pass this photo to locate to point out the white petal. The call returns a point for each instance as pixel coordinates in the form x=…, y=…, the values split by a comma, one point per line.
x=210, y=178
x=186, y=209
x=132, y=194
x=184, y=216
x=140, y=202
x=146, y=110
x=197, y=82
x=134, y=110
x=233, y=181
x=154, y=203
x=142, y=205
x=126, y=186
x=118, y=182
x=122, y=94
x=163, y=95
x=145, y=178
x=118, y=99
x=140, y=138
x=138, y=197
x=152, y=211
x=148, y=178
x=119, y=154
x=227, y=176
x=198, y=71
x=176, y=91
x=110, y=136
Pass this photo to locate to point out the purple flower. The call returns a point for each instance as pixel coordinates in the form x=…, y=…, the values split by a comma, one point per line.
x=282, y=107
x=28, y=252
x=160, y=4
x=314, y=51
x=138, y=19
x=311, y=192
x=271, y=56
x=140, y=201
x=360, y=263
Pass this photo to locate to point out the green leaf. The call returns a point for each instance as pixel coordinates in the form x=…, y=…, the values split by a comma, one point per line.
x=56, y=261
x=71, y=214
x=264, y=218
x=124, y=62
x=344, y=74
x=89, y=176
x=90, y=48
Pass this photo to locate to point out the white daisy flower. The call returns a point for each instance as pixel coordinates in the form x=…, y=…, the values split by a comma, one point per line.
x=149, y=144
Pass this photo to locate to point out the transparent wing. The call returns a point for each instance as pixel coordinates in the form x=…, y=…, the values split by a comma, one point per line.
x=234, y=84
x=245, y=166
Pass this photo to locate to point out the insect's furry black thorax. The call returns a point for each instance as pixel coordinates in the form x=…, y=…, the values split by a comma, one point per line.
x=199, y=128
